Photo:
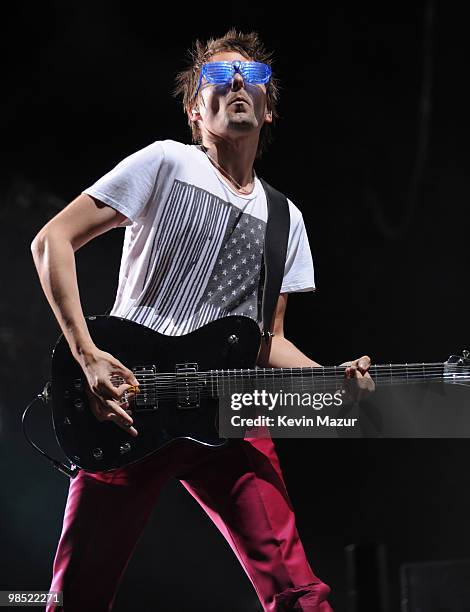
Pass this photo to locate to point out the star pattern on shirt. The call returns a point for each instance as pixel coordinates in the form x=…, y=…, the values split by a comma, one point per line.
x=233, y=282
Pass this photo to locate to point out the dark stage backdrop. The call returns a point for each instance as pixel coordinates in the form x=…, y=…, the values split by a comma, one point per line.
x=384, y=191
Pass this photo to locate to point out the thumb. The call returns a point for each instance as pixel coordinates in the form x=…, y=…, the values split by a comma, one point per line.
x=122, y=389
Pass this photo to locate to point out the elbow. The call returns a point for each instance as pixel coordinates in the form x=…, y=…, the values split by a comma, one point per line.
x=42, y=242
x=38, y=245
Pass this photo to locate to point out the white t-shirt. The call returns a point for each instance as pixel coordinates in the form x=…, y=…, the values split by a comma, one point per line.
x=193, y=246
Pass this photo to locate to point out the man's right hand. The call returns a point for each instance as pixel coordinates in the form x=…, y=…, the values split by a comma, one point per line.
x=105, y=398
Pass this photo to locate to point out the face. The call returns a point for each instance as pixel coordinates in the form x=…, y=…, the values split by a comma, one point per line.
x=233, y=108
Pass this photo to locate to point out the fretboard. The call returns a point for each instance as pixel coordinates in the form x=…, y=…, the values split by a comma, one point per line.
x=331, y=377
x=309, y=380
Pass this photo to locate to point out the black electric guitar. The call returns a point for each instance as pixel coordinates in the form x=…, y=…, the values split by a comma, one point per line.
x=181, y=379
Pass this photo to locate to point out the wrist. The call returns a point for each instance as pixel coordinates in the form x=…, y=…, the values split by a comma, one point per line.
x=83, y=350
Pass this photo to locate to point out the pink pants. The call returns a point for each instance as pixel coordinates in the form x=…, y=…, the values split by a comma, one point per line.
x=240, y=487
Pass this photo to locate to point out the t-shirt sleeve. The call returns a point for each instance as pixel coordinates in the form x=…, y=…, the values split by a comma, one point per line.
x=130, y=186
x=298, y=272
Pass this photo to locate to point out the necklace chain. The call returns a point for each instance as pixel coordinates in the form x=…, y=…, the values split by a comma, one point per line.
x=219, y=167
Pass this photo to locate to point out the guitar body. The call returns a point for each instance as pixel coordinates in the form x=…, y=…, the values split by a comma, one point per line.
x=174, y=401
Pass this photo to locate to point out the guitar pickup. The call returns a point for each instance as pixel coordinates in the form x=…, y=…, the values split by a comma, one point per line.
x=187, y=386
x=146, y=400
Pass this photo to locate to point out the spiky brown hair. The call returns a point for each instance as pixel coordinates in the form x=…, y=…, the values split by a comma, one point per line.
x=250, y=46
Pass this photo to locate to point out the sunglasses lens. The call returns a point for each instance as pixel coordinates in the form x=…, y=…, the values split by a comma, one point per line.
x=253, y=73
x=223, y=72
x=218, y=72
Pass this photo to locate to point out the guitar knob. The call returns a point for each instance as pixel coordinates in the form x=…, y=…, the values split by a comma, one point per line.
x=233, y=339
x=125, y=448
x=97, y=454
x=77, y=383
x=79, y=404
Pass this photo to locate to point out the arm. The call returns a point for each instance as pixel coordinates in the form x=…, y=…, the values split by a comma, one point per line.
x=53, y=251
x=281, y=353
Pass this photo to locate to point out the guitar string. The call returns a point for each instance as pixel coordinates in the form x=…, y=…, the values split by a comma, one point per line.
x=266, y=383
x=172, y=379
x=221, y=392
x=202, y=380
x=161, y=382
x=388, y=370
x=378, y=371
x=161, y=390
x=162, y=393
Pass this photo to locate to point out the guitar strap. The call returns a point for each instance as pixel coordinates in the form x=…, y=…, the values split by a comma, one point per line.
x=275, y=251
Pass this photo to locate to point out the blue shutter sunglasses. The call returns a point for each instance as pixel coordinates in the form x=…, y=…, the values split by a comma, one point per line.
x=220, y=73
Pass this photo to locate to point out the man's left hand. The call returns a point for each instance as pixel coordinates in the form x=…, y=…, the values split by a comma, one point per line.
x=357, y=380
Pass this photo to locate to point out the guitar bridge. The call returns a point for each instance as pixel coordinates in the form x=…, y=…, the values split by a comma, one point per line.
x=187, y=386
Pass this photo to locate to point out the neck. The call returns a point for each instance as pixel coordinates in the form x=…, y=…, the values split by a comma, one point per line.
x=236, y=158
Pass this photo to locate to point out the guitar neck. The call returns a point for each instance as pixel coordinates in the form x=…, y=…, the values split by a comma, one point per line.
x=331, y=378
x=299, y=380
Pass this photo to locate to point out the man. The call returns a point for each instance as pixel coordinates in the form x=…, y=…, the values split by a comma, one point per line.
x=195, y=217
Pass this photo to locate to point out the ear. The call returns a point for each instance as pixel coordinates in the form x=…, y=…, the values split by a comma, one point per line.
x=268, y=116
x=193, y=113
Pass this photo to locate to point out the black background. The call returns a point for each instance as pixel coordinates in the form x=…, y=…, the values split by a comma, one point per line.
x=384, y=195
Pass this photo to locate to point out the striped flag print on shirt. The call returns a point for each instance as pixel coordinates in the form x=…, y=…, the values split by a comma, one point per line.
x=205, y=263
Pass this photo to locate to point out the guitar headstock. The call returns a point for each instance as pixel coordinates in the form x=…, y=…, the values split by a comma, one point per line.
x=457, y=369
x=463, y=360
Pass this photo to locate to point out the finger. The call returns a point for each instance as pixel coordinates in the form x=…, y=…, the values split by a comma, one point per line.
x=119, y=416
x=367, y=383
x=114, y=407
x=130, y=378
x=364, y=385
x=350, y=371
x=362, y=382
x=124, y=424
x=95, y=404
x=128, y=390
x=110, y=392
x=101, y=408
x=363, y=364
x=96, y=407
x=127, y=374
